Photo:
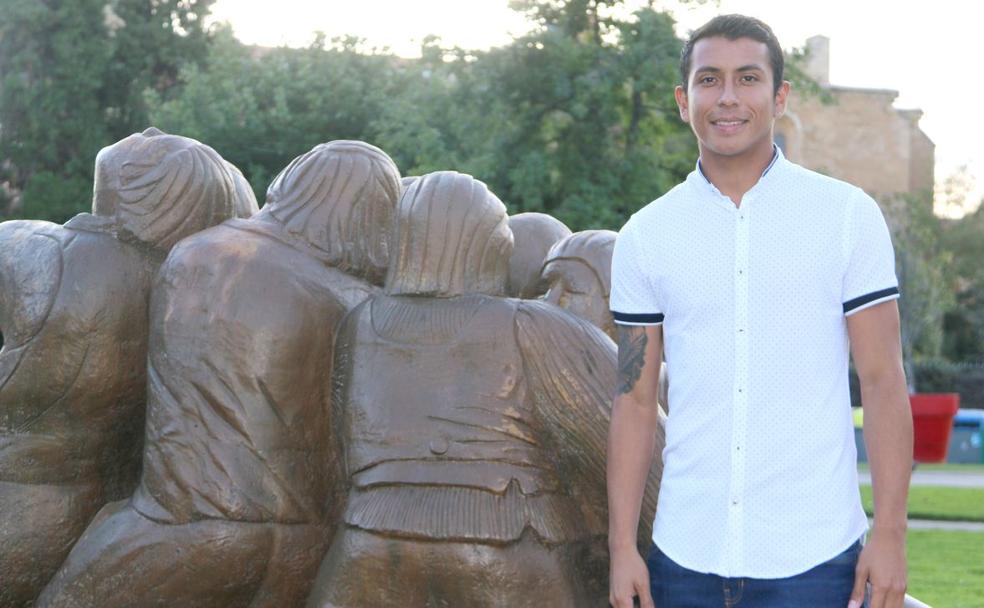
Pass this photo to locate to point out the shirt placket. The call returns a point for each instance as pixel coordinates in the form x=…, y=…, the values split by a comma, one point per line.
x=739, y=415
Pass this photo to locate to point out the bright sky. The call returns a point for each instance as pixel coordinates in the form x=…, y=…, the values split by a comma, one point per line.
x=928, y=52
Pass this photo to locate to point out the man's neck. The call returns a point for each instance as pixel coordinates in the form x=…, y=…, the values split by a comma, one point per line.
x=733, y=176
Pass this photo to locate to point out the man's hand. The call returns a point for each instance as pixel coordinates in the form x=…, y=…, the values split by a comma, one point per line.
x=882, y=564
x=628, y=578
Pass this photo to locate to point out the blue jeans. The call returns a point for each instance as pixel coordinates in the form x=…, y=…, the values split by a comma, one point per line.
x=825, y=586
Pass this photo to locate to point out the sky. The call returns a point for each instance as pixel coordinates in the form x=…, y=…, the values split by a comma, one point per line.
x=928, y=52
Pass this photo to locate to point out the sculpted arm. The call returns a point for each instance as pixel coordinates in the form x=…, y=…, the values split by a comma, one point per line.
x=570, y=367
x=877, y=353
x=635, y=420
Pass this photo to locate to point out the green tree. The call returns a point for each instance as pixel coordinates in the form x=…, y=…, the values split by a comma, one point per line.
x=964, y=323
x=261, y=107
x=579, y=125
x=71, y=79
x=585, y=126
x=925, y=282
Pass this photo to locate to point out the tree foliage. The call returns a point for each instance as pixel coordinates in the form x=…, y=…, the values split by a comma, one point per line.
x=72, y=78
x=964, y=324
x=921, y=263
x=575, y=119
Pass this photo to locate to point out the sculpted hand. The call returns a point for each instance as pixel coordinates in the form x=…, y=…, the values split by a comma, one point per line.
x=628, y=578
x=882, y=564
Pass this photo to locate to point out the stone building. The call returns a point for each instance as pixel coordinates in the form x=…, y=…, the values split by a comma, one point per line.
x=860, y=137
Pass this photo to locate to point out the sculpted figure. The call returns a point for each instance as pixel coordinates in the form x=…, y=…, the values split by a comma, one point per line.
x=73, y=315
x=473, y=426
x=234, y=507
x=578, y=273
x=533, y=234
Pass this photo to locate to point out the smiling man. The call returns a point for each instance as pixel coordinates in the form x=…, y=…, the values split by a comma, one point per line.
x=760, y=278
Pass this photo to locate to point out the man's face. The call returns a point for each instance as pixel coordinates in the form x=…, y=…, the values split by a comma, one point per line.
x=729, y=100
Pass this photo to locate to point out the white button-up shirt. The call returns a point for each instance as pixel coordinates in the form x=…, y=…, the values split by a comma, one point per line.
x=760, y=476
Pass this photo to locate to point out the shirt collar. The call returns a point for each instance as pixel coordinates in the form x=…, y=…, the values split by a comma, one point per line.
x=776, y=155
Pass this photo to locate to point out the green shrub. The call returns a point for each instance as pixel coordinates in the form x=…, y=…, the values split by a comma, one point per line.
x=55, y=198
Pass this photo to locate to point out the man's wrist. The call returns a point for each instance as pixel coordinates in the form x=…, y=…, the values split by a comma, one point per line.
x=889, y=529
x=618, y=545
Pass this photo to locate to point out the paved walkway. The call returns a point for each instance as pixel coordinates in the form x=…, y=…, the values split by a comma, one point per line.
x=933, y=524
x=954, y=479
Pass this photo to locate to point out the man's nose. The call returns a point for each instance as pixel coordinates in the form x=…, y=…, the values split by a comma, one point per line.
x=729, y=96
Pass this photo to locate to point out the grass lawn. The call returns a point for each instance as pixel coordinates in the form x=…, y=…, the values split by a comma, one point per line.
x=946, y=568
x=934, y=502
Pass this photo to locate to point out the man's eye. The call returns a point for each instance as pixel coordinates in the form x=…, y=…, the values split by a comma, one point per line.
x=749, y=78
x=708, y=80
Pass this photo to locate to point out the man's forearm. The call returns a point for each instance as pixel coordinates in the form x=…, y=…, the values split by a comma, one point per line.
x=630, y=453
x=888, y=440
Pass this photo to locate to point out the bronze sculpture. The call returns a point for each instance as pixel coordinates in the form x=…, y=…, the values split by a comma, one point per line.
x=533, y=236
x=578, y=274
x=235, y=505
x=472, y=426
x=73, y=312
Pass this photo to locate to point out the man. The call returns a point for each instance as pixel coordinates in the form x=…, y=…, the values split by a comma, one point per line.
x=235, y=506
x=758, y=276
x=73, y=311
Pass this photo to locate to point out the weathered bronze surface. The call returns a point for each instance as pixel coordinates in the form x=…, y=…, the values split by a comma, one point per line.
x=472, y=426
x=339, y=380
x=236, y=505
x=533, y=236
x=578, y=273
x=73, y=315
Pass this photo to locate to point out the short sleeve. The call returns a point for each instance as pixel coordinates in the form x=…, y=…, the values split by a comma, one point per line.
x=869, y=278
x=632, y=300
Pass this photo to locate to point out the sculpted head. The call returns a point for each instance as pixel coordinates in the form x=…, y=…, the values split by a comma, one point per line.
x=534, y=234
x=452, y=237
x=160, y=188
x=339, y=197
x=578, y=272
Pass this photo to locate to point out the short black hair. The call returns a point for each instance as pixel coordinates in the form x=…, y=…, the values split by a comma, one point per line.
x=734, y=27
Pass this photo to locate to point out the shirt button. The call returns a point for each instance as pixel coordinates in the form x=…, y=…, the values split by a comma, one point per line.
x=734, y=501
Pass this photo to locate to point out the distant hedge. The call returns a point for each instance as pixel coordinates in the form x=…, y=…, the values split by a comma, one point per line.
x=938, y=376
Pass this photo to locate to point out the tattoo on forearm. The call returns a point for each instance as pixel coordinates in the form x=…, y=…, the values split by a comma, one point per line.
x=631, y=356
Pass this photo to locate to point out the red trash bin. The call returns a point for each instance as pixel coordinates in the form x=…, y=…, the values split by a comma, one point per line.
x=932, y=419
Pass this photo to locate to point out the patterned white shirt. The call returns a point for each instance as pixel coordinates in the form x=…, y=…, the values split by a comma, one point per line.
x=760, y=476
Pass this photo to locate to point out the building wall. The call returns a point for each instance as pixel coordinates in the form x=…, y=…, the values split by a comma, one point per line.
x=860, y=137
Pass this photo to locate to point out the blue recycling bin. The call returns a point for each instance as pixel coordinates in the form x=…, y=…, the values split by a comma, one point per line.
x=967, y=438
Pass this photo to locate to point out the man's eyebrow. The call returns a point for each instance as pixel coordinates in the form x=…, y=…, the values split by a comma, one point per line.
x=713, y=70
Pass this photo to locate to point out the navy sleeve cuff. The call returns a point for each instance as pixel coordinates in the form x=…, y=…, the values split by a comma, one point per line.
x=875, y=297
x=623, y=318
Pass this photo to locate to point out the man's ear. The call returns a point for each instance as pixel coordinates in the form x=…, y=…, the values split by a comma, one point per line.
x=683, y=103
x=781, y=96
